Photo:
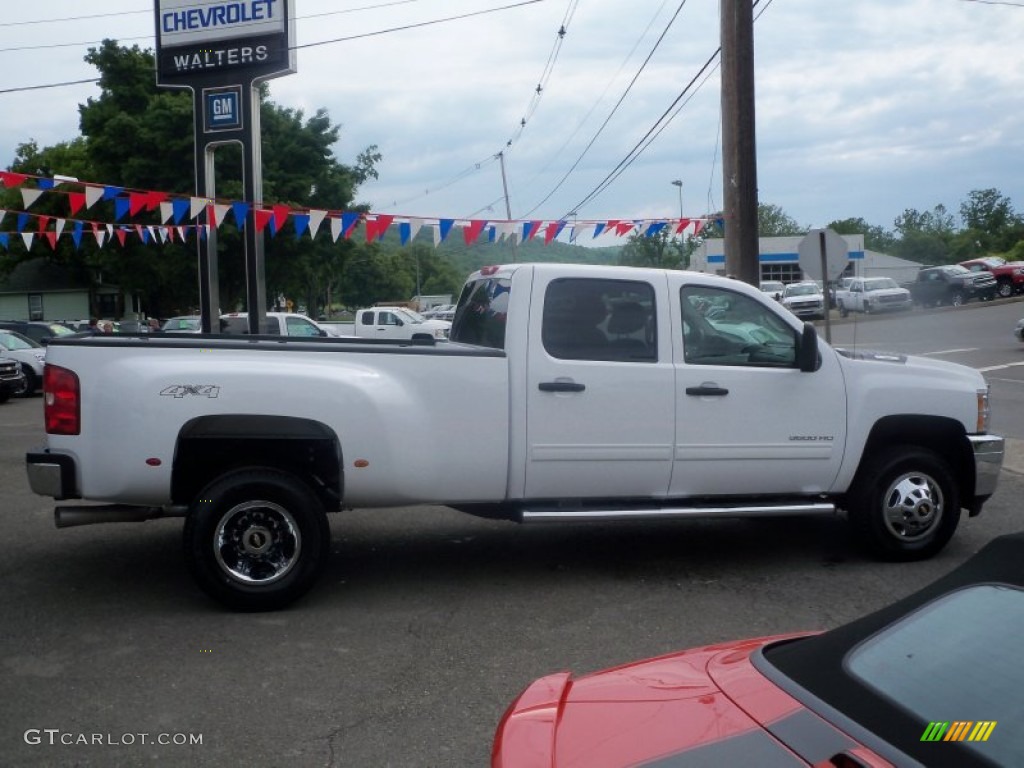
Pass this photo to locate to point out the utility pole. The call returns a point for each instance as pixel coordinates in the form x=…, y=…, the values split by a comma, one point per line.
x=739, y=152
x=508, y=203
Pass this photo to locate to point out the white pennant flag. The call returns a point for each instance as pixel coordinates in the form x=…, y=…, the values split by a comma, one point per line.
x=58, y=227
x=92, y=196
x=110, y=230
x=2, y=214
x=437, y=234
x=29, y=196
x=166, y=211
x=219, y=212
x=100, y=236
x=152, y=232
x=506, y=229
x=28, y=237
x=335, y=229
x=196, y=205
x=181, y=234
x=163, y=234
x=316, y=218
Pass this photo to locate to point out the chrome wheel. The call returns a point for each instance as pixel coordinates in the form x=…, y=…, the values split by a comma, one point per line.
x=913, y=506
x=257, y=542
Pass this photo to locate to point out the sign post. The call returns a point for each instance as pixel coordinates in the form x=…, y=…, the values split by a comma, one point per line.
x=823, y=256
x=222, y=50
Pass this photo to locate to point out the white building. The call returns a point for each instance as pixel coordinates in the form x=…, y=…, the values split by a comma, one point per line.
x=780, y=260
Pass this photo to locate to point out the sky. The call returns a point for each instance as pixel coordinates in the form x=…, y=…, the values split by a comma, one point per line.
x=864, y=108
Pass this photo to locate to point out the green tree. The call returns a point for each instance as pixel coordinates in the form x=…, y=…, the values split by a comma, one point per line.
x=772, y=221
x=876, y=238
x=662, y=250
x=138, y=136
x=925, y=237
x=991, y=225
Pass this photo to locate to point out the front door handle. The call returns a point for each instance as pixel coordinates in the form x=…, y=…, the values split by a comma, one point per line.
x=560, y=386
x=706, y=390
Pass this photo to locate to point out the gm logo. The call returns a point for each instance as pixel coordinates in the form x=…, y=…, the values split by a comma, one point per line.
x=959, y=730
x=222, y=109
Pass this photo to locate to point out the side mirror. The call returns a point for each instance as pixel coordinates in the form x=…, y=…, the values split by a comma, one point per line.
x=399, y=322
x=807, y=352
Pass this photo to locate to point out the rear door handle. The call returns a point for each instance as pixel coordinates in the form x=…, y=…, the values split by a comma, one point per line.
x=560, y=386
x=705, y=390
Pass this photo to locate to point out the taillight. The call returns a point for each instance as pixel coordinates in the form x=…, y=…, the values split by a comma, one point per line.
x=62, y=401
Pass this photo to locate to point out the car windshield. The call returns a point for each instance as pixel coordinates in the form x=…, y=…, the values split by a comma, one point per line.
x=957, y=657
x=771, y=287
x=59, y=330
x=803, y=289
x=12, y=341
x=880, y=284
x=956, y=269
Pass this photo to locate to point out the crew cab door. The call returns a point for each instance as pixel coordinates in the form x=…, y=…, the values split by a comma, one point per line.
x=600, y=388
x=380, y=324
x=748, y=421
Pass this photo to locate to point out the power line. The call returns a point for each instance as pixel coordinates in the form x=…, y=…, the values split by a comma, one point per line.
x=49, y=85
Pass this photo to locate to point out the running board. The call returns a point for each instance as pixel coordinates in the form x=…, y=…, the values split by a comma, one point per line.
x=553, y=514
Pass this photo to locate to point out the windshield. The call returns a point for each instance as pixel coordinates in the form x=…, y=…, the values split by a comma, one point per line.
x=880, y=284
x=956, y=269
x=958, y=657
x=803, y=289
x=12, y=341
x=59, y=330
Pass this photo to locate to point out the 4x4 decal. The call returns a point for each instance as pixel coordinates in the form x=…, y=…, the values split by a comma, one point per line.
x=196, y=390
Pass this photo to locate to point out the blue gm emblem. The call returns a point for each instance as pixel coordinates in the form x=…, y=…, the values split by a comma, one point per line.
x=223, y=109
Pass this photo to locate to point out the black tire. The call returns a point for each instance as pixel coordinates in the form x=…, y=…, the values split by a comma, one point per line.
x=5, y=395
x=904, y=504
x=956, y=300
x=31, y=382
x=843, y=311
x=256, y=539
x=1005, y=289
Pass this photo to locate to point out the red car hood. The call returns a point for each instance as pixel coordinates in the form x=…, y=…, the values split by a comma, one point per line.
x=703, y=707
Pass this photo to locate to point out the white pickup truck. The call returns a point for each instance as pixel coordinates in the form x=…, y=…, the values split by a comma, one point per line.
x=571, y=393
x=872, y=294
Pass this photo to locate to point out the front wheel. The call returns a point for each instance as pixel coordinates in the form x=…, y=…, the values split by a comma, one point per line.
x=843, y=311
x=904, y=504
x=957, y=299
x=28, y=387
x=1005, y=289
x=256, y=539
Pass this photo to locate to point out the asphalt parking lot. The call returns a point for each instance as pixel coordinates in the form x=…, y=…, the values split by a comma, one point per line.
x=425, y=626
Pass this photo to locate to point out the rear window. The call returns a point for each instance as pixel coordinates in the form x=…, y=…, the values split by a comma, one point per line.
x=956, y=659
x=481, y=313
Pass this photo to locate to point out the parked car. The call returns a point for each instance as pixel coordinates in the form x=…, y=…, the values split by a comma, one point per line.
x=182, y=324
x=1019, y=330
x=274, y=324
x=804, y=300
x=950, y=284
x=28, y=354
x=933, y=679
x=38, y=330
x=12, y=380
x=1009, y=275
x=773, y=288
x=872, y=294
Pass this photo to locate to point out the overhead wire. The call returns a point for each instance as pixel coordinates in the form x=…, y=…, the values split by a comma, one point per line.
x=615, y=109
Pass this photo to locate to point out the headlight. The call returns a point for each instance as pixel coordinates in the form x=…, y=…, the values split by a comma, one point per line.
x=984, y=411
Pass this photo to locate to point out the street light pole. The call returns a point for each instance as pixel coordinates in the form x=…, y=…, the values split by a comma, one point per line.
x=679, y=183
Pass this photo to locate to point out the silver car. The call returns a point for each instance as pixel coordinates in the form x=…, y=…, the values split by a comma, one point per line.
x=805, y=300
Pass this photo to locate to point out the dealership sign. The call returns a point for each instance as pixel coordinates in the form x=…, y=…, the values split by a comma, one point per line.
x=225, y=40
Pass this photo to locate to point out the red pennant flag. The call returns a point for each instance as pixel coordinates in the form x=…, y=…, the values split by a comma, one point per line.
x=51, y=236
x=136, y=202
x=153, y=200
x=533, y=227
x=77, y=200
x=211, y=216
x=12, y=179
x=262, y=217
x=121, y=235
x=43, y=221
x=611, y=225
x=623, y=227
x=472, y=232
x=683, y=224
x=281, y=215
x=698, y=226
x=550, y=231
x=383, y=222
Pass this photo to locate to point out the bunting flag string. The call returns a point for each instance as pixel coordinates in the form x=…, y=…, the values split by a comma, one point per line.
x=171, y=210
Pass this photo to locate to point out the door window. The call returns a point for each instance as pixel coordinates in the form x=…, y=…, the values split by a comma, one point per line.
x=588, y=319
x=722, y=327
x=298, y=326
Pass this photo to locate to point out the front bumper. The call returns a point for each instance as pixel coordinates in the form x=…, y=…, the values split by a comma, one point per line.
x=988, y=461
x=52, y=474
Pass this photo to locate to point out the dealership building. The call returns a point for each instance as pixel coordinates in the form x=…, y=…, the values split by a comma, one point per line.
x=779, y=259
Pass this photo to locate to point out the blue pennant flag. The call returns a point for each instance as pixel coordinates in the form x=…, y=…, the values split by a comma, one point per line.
x=301, y=222
x=110, y=193
x=180, y=208
x=241, y=211
x=656, y=228
x=22, y=221
x=5, y=240
x=404, y=231
x=45, y=184
x=121, y=206
x=445, y=227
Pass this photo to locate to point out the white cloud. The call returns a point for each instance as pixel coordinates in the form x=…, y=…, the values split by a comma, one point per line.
x=863, y=109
